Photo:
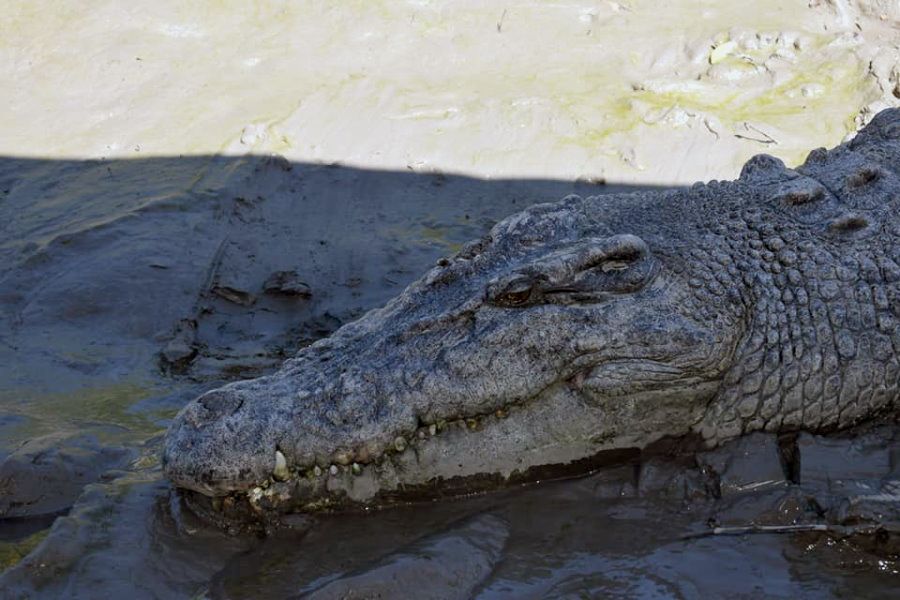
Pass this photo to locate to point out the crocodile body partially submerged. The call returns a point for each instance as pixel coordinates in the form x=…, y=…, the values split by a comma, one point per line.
x=582, y=327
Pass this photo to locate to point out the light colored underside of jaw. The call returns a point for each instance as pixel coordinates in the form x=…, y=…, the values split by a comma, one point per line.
x=558, y=428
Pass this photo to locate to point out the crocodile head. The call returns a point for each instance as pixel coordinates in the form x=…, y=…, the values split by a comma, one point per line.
x=557, y=336
x=572, y=329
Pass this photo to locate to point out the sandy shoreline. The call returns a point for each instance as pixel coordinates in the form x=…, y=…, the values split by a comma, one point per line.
x=629, y=91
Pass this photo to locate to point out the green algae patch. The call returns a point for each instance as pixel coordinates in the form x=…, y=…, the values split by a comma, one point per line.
x=438, y=235
x=837, y=83
x=427, y=235
x=108, y=409
x=12, y=553
x=619, y=116
x=110, y=404
x=758, y=90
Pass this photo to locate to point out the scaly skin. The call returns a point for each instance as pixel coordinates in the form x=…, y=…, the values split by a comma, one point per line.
x=588, y=325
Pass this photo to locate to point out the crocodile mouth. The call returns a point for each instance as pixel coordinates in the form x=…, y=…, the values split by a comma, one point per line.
x=295, y=476
x=549, y=435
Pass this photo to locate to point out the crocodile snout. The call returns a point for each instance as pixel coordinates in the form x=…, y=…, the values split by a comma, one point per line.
x=212, y=447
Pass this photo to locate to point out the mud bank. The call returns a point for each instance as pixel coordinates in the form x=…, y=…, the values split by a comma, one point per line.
x=631, y=90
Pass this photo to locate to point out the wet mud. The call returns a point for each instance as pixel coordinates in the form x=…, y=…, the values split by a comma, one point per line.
x=128, y=287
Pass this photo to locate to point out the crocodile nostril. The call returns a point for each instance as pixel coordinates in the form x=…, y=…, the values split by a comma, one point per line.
x=213, y=406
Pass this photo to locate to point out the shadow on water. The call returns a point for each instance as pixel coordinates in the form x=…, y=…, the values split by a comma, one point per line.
x=129, y=286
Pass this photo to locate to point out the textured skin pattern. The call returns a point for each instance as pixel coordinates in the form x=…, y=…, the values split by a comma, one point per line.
x=766, y=303
x=823, y=342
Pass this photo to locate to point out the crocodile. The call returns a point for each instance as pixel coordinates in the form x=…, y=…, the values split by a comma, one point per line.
x=578, y=329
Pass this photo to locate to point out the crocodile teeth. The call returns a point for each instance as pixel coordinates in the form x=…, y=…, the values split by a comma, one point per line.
x=280, y=472
x=343, y=457
x=255, y=495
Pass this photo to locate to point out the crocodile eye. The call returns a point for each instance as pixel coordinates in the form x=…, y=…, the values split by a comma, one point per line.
x=615, y=265
x=516, y=293
x=588, y=271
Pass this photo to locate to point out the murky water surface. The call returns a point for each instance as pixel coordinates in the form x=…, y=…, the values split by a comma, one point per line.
x=128, y=287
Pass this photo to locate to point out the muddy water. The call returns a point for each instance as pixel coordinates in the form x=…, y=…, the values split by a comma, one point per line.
x=128, y=287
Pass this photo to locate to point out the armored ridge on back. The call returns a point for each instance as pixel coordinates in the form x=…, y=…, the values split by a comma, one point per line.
x=582, y=327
